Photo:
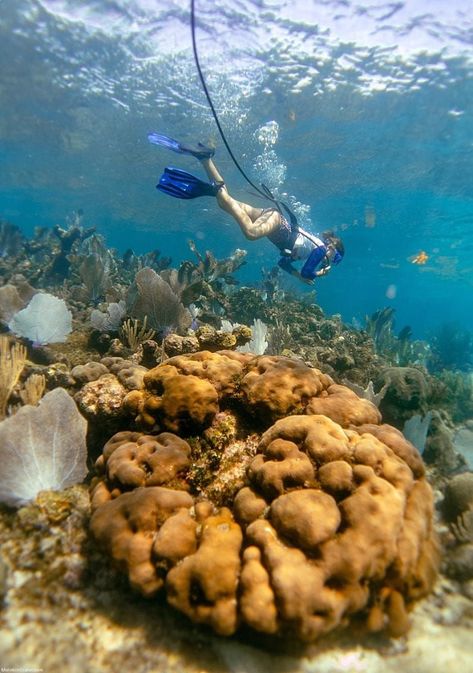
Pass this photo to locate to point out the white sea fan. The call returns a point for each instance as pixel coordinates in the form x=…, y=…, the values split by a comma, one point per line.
x=42, y=448
x=368, y=392
x=46, y=320
x=227, y=327
x=195, y=311
x=416, y=428
x=257, y=343
x=111, y=320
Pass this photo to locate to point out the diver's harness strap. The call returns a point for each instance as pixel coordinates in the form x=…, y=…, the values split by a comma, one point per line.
x=316, y=257
x=280, y=206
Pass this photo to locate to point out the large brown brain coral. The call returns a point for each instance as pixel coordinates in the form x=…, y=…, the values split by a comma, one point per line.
x=324, y=523
x=185, y=393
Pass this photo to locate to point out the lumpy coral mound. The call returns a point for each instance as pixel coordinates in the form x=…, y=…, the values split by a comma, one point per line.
x=321, y=514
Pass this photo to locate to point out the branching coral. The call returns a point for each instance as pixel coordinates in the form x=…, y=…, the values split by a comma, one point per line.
x=12, y=361
x=132, y=333
x=33, y=389
x=397, y=349
x=207, y=281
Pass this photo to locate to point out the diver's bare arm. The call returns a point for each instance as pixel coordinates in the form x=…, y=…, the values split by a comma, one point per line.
x=253, y=222
x=323, y=271
x=307, y=281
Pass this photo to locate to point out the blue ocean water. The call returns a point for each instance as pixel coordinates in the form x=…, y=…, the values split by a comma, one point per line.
x=359, y=113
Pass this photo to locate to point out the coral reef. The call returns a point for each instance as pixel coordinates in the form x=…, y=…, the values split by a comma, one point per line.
x=458, y=513
x=320, y=518
x=252, y=494
x=399, y=349
x=408, y=393
x=14, y=296
x=454, y=393
x=184, y=393
x=11, y=239
x=74, y=263
x=452, y=348
x=208, y=280
x=69, y=605
x=299, y=328
x=439, y=447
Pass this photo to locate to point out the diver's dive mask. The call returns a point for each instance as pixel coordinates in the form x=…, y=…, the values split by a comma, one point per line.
x=334, y=256
x=337, y=257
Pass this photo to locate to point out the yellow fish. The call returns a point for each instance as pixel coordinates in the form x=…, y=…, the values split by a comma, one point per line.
x=420, y=258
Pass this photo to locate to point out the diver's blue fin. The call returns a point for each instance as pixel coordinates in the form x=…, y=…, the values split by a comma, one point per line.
x=199, y=152
x=184, y=185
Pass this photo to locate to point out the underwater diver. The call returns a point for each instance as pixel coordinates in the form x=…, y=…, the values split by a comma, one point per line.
x=320, y=252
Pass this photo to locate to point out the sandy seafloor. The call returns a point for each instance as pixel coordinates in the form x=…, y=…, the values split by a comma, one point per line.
x=65, y=611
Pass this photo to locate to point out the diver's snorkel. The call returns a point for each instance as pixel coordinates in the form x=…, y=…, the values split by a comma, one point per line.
x=264, y=191
x=333, y=254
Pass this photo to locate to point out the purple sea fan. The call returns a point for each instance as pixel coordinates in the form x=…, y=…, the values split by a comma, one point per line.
x=151, y=296
x=42, y=448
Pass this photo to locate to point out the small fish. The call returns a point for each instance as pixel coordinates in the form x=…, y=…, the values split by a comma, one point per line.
x=420, y=258
x=370, y=217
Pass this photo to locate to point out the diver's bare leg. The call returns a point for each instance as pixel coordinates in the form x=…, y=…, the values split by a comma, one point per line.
x=254, y=222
